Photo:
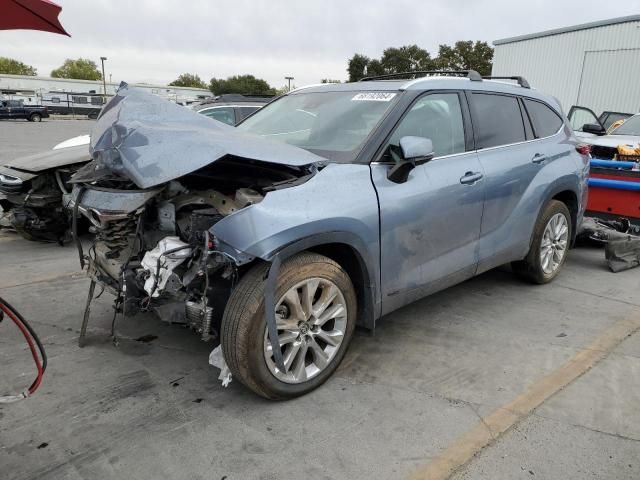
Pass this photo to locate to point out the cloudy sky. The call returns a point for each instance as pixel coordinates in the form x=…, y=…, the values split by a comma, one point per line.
x=155, y=41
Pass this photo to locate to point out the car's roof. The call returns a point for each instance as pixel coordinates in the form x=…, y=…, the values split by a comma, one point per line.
x=430, y=83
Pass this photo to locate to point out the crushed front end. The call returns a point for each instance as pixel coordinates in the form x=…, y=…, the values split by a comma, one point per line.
x=152, y=248
x=160, y=178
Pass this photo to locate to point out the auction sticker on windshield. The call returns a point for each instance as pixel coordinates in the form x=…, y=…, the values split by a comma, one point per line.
x=373, y=97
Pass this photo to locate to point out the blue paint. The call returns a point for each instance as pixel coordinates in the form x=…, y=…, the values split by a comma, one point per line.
x=612, y=164
x=614, y=184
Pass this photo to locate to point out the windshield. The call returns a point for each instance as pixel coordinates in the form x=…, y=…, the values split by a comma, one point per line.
x=334, y=125
x=629, y=127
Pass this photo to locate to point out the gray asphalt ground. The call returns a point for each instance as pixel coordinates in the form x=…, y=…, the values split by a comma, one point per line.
x=19, y=137
x=434, y=371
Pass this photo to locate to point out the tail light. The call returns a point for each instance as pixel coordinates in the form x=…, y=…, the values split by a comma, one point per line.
x=583, y=149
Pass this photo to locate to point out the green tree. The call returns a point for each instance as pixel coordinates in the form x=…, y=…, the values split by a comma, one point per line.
x=466, y=55
x=406, y=59
x=14, y=67
x=81, y=69
x=375, y=68
x=243, y=84
x=357, y=65
x=283, y=90
x=188, y=80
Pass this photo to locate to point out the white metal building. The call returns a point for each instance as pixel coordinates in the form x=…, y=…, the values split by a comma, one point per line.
x=33, y=89
x=596, y=65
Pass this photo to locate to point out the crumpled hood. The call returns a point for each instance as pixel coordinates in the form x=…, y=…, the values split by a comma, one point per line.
x=153, y=141
x=50, y=159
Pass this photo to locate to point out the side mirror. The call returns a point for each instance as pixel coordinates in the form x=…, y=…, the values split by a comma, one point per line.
x=413, y=151
x=594, y=128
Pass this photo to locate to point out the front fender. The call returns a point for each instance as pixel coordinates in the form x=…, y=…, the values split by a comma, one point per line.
x=339, y=198
x=337, y=205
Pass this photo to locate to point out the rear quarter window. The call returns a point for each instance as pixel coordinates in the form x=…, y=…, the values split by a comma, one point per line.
x=497, y=120
x=546, y=122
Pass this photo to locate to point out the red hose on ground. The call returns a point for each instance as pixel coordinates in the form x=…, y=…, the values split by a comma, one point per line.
x=32, y=340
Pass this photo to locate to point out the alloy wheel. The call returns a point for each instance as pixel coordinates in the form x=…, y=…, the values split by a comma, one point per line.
x=311, y=318
x=554, y=243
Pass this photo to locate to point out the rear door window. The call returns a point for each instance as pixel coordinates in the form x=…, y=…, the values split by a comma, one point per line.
x=497, y=120
x=545, y=121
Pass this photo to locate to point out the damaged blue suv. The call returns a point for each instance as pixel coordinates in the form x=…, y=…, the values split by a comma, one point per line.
x=332, y=206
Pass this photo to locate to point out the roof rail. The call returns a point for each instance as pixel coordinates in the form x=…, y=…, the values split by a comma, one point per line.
x=470, y=74
x=521, y=80
x=242, y=96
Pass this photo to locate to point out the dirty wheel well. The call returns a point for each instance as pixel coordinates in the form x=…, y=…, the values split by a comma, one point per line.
x=349, y=259
x=353, y=264
x=571, y=201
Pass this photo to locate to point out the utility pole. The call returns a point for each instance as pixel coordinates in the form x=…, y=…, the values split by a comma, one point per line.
x=289, y=80
x=104, y=80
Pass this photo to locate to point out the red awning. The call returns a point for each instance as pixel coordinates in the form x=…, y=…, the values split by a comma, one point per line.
x=30, y=15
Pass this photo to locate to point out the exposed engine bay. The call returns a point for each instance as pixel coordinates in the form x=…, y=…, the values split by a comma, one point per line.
x=152, y=247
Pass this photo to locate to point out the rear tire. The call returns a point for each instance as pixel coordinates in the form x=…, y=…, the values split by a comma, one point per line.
x=551, y=239
x=35, y=117
x=244, y=340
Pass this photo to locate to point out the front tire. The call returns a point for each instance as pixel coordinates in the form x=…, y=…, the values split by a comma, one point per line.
x=316, y=312
x=551, y=239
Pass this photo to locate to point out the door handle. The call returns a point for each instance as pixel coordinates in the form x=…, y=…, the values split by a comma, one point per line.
x=470, y=178
x=538, y=158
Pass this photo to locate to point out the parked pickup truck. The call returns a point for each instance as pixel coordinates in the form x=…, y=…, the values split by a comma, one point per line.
x=10, y=109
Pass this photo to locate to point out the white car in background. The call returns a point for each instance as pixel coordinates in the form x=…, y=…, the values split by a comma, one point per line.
x=588, y=128
x=73, y=142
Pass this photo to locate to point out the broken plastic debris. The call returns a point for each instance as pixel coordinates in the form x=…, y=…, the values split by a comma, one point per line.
x=216, y=359
x=160, y=262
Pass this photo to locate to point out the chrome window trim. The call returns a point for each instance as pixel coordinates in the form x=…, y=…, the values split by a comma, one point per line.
x=479, y=149
x=434, y=159
x=520, y=143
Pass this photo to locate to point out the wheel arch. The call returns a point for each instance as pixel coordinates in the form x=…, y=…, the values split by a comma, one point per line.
x=568, y=194
x=350, y=253
x=352, y=262
x=570, y=199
